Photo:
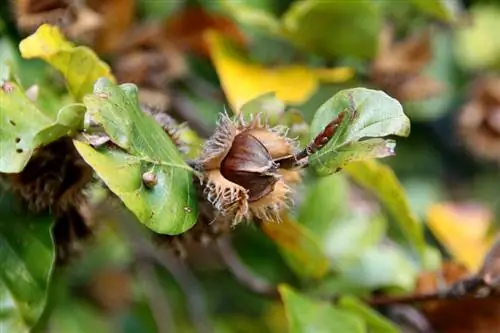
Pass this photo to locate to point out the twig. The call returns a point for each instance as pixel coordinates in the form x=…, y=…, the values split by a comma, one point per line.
x=190, y=286
x=241, y=272
x=181, y=274
x=159, y=305
x=470, y=288
x=299, y=160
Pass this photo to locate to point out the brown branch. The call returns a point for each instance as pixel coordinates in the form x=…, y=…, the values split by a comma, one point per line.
x=241, y=272
x=470, y=288
x=299, y=160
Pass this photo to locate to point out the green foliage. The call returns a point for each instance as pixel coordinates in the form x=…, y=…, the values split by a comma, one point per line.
x=169, y=207
x=381, y=181
x=307, y=315
x=325, y=201
x=444, y=10
x=477, y=47
x=24, y=127
x=369, y=115
x=300, y=248
x=375, y=322
x=352, y=232
x=27, y=258
x=327, y=27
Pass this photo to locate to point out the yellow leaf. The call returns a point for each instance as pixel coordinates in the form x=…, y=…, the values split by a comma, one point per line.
x=463, y=230
x=299, y=247
x=79, y=65
x=334, y=75
x=243, y=80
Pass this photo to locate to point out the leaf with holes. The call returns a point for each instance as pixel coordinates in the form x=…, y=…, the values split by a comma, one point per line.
x=79, y=65
x=308, y=315
x=24, y=127
x=140, y=146
x=369, y=115
x=27, y=257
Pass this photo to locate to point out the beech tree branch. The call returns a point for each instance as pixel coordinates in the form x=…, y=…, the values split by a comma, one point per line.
x=469, y=288
x=241, y=272
x=193, y=291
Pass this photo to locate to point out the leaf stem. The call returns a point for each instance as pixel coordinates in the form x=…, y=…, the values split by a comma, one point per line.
x=299, y=160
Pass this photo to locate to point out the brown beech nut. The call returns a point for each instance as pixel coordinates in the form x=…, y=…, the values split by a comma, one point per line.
x=250, y=165
x=239, y=176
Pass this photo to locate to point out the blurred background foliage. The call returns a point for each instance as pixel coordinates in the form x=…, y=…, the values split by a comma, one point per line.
x=352, y=234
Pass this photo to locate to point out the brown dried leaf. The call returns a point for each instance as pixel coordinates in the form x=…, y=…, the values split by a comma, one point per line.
x=148, y=59
x=117, y=17
x=398, y=65
x=74, y=18
x=490, y=269
x=186, y=29
x=466, y=315
x=479, y=119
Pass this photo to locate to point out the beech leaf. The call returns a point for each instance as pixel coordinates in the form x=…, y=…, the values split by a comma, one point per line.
x=79, y=65
x=167, y=207
x=27, y=257
x=308, y=315
x=299, y=247
x=328, y=27
x=293, y=84
x=381, y=181
x=24, y=127
x=369, y=116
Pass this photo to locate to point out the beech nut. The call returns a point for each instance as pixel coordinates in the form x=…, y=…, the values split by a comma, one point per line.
x=238, y=174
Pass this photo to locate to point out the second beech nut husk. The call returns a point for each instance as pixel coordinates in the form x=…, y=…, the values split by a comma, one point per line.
x=238, y=173
x=479, y=119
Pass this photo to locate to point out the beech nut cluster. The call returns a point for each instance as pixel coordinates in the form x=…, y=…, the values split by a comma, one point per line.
x=238, y=171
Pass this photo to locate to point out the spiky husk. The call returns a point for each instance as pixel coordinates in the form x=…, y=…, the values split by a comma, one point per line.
x=231, y=200
x=53, y=181
x=479, y=119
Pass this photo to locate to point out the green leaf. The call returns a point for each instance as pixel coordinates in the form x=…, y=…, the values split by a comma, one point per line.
x=307, y=315
x=444, y=10
x=169, y=207
x=268, y=104
x=79, y=65
x=477, y=46
x=381, y=181
x=76, y=316
x=299, y=246
x=27, y=258
x=325, y=201
x=370, y=115
x=375, y=322
x=328, y=27
x=24, y=127
x=382, y=267
x=348, y=238
x=256, y=18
